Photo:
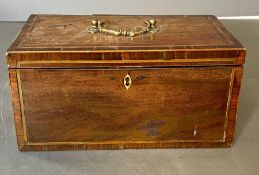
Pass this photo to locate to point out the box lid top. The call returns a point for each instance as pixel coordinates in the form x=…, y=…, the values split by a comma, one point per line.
x=70, y=33
x=187, y=40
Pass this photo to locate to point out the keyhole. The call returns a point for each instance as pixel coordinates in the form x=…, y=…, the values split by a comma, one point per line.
x=127, y=81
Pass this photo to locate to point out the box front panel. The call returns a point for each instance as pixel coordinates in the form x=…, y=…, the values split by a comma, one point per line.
x=93, y=106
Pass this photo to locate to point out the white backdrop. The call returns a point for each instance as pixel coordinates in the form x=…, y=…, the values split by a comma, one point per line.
x=19, y=10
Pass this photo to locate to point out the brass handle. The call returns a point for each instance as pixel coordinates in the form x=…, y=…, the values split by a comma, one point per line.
x=98, y=27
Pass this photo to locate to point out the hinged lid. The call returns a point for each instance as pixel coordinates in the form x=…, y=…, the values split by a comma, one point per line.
x=177, y=40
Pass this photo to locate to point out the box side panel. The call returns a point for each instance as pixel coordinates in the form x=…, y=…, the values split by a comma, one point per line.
x=113, y=144
x=233, y=105
x=17, y=108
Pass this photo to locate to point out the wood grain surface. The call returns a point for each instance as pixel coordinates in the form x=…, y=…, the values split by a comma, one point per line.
x=68, y=92
x=65, y=37
x=227, y=123
x=94, y=106
x=44, y=32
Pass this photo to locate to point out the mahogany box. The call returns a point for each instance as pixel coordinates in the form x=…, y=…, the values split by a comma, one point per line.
x=119, y=82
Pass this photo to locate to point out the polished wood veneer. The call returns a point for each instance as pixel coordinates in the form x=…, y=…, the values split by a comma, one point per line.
x=68, y=85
